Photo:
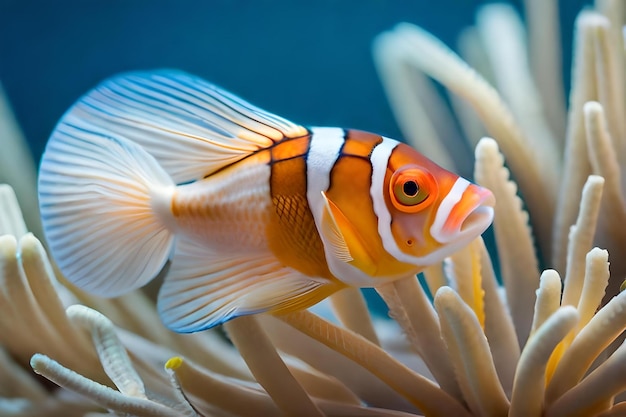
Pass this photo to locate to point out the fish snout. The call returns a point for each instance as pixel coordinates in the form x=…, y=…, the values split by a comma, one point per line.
x=469, y=217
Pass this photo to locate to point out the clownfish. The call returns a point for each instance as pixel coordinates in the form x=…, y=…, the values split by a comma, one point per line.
x=253, y=212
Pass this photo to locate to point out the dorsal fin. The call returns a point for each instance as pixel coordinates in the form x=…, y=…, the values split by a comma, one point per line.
x=190, y=126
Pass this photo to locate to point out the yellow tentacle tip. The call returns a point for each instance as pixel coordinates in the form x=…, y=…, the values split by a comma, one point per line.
x=623, y=286
x=174, y=363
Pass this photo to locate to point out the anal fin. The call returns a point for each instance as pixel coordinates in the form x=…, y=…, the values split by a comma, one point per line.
x=205, y=288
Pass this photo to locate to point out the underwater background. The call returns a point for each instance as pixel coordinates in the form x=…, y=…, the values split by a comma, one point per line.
x=309, y=61
x=492, y=323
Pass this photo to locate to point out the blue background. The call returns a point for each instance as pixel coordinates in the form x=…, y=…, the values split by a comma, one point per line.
x=309, y=61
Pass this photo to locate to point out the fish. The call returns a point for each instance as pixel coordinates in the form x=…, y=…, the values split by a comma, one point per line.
x=248, y=212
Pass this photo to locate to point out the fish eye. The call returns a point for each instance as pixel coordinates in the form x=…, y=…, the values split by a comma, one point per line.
x=412, y=189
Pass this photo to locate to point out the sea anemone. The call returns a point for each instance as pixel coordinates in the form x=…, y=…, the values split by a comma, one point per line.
x=463, y=341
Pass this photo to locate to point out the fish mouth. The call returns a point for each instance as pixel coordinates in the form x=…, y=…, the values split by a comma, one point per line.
x=478, y=220
x=469, y=217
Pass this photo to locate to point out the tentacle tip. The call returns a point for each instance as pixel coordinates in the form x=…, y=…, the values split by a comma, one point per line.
x=595, y=179
x=494, y=11
x=444, y=295
x=593, y=107
x=30, y=246
x=486, y=144
x=36, y=360
x=592, y=18
x=8, y=245
x=599, y=253
x=77, y=310
x=174, y=363
x=570, y=312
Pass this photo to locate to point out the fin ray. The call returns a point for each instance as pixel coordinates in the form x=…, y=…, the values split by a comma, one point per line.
x=204, y=289
x=95, y=197
x=190, y=126
x=333, y=234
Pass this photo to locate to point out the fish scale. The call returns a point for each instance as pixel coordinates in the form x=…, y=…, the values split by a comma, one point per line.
x=221, y=214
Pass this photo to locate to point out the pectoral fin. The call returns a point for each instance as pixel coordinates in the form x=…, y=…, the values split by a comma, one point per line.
x=204, y=289
x=346, y=242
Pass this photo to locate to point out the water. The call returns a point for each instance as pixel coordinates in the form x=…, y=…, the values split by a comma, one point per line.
x=309, y=61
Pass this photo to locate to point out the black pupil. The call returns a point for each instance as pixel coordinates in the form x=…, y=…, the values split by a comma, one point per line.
x=410, y=188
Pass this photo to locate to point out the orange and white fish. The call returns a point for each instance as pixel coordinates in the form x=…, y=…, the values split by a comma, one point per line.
x=256, y=214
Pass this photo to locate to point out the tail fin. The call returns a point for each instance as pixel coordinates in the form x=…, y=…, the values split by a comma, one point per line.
x=104, y=204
